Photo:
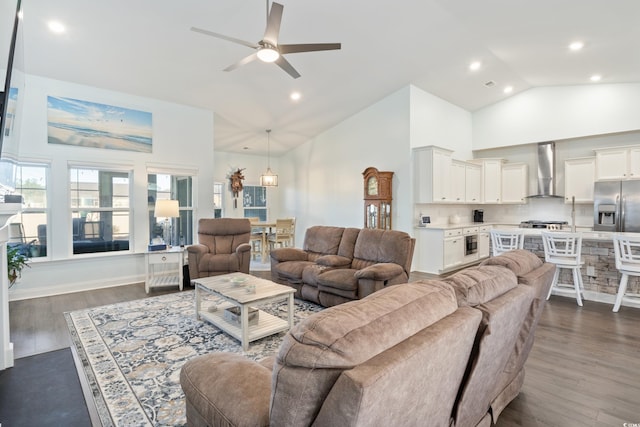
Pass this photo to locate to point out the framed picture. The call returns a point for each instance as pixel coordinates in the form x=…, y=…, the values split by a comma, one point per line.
x=424, y=220
x=89, y=124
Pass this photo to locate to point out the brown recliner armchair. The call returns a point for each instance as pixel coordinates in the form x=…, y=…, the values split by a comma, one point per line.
x=223, y=247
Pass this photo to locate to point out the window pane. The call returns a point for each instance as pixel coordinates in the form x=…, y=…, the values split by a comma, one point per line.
x=100, y=210
x=171, y=187
x=29, y=231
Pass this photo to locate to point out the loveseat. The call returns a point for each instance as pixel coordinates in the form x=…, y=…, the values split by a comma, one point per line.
x=337, y=265
x=435, y=352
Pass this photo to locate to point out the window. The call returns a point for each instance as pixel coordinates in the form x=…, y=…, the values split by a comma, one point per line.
x=28, y=230
x=171, y=187
x=217, y=199
x=100, y=210
x=254, y=201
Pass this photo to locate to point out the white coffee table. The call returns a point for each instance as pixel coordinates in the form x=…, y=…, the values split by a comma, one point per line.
x=233, y=294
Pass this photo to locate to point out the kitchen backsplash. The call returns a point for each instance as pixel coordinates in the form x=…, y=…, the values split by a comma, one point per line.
x=535, y=209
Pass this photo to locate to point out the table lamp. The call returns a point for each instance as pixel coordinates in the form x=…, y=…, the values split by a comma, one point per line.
x=167, y=209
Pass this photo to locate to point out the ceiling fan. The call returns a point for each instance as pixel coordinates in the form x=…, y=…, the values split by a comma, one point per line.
x=268, y=49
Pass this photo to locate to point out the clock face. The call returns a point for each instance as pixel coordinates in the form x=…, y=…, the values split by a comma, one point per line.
x=372, y=186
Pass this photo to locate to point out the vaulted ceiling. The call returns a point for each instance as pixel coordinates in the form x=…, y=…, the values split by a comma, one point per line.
x=146, y=48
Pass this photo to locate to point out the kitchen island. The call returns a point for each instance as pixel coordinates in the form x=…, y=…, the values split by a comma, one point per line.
x=599, y=273
x=435, y=243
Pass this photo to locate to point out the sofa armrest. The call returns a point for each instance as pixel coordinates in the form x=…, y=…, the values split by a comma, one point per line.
x=289, y=254
x=243, y=247
x=227, y=389
x=382, y=271
x=334, y=261
x=197, y=249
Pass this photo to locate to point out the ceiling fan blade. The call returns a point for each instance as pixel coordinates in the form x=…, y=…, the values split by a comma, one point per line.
x=272, y=31
x=223, y=37
x=242, y=62
x=284, y=64
x=313, y=47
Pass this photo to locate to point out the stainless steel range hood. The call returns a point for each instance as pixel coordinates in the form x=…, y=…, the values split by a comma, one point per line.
x=546, y=170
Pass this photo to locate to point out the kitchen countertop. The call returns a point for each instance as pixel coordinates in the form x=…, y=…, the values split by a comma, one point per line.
x=587, y=232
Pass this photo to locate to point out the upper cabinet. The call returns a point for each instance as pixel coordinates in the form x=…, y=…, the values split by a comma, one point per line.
x=473, y=183
x=579, y=175
x=491, y=179
x=432, y=175
x=618, y=163
x=514, y=182
x=458, y=181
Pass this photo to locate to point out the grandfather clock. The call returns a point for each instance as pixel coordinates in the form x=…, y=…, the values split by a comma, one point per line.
x=377, y=198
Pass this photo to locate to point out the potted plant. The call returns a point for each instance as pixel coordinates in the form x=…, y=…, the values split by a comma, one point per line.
x=16, y=261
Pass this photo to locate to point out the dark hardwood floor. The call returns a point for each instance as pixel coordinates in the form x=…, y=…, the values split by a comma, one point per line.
x=584, y=368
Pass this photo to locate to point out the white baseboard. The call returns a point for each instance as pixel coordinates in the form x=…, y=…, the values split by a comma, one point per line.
x=17, y=293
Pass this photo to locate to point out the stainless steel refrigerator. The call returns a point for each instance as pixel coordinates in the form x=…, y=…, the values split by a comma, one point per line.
x=616, y=206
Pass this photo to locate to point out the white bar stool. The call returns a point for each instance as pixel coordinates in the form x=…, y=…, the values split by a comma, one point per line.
x=627, y=250
x=564, y=250
x=506, y=240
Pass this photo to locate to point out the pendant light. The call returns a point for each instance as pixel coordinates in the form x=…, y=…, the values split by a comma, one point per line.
x=269, y=179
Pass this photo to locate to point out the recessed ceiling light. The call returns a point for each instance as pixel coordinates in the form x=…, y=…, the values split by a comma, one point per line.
x=576, y=45
x=475, y=65
x=508, y=89
x=595, y=78
x=56, y=27
x=295, y=96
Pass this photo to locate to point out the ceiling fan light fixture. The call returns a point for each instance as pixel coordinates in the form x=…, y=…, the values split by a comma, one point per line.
x=268, y=54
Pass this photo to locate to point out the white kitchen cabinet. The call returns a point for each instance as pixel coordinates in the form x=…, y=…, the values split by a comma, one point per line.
x=473, y=183
x=453, y=249
x=432, y=175
x=491, y=179
x=441, y=250
x=514, y=183
x=483, y=241
x=458, y=181
x=579, y=175
x=618, y=163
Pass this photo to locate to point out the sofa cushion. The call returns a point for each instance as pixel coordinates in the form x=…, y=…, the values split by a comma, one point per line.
x=343, y=279
x=291, y=270
x=219, y=263
x=520, y=261
x=334, y=261
x=311, y=272
x=477, y=285
x=375, y=246
x=317, y=350
x=323, y=239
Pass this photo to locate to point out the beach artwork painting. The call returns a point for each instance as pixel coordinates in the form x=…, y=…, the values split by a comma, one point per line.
x=89, y=124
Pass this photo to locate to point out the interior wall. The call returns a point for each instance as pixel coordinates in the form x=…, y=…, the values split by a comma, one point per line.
x=326, y=183
x=182, y=139
x=557, y=113
x=435, y=121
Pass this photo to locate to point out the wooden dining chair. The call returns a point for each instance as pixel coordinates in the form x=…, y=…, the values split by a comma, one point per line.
x=257, y=238
x=284, y=234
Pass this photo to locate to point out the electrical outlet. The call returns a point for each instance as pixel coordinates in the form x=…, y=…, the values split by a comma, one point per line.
x=591, y=271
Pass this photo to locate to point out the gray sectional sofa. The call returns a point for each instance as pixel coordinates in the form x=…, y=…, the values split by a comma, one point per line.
x=447, y=352
x=337, y=265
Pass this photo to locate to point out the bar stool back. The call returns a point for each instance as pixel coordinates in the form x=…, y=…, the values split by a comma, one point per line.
x=627, y=250
x=565, y=251
x=506, y=240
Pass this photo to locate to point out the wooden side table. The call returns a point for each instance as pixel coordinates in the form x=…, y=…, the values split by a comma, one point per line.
x=164, y=268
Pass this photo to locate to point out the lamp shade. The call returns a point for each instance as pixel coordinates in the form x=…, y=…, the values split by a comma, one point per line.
x=269, y=179
x=167, y=209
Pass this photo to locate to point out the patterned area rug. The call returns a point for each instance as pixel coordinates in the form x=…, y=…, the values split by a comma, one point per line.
x=132, y=354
